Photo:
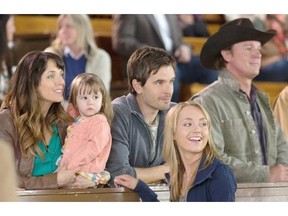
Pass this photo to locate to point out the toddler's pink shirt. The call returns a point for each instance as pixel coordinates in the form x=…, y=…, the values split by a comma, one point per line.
x=88, y=144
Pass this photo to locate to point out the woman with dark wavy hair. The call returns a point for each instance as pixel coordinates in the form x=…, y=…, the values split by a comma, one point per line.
x=34, y=122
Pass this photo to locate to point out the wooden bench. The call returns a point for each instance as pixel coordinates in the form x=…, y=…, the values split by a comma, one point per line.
x=35, y=24
x=271, y=88
x=36, y=33
x=102, y=27
x=40, y=24
x=31, y=24
x=196, y=43
x=214, y=18
x=213, y=28
x=79, y=195
x=246, y=192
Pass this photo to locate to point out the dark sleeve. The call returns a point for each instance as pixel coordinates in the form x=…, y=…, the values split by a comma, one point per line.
x=196, y=30
x=145, y=193
x=201, y=29
x=118, y=162
x=124, y=37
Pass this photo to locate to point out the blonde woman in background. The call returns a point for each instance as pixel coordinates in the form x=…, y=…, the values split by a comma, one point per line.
x=75, y=42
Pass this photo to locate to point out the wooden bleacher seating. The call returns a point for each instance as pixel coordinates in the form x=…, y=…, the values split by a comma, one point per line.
x=35, y=24
x=36, y=32
x=213, y=28
x=246, y=192
x=102, y=25
x=196, y=43
x=272, y=88
x=213, y=18
x=78, y=195
x=38, y=24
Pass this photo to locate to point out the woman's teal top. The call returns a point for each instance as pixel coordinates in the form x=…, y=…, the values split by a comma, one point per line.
x=51, y=153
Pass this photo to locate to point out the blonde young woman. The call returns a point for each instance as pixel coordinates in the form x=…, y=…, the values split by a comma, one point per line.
x=196, y=174
x=75, y=42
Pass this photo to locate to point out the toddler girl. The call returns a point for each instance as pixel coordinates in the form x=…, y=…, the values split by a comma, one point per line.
x=88, y=141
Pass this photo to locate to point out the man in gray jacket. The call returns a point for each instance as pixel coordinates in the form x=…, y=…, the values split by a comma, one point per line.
x=137, y=127
x=246, y=134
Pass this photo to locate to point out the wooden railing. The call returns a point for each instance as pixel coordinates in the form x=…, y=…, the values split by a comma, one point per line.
x=78, y=195
x=262, y=192
x=246, y=192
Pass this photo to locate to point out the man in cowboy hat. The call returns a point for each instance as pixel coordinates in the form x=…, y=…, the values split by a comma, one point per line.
x=244, y=130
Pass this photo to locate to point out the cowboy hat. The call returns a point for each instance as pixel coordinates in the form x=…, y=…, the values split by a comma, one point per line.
x=232, y=32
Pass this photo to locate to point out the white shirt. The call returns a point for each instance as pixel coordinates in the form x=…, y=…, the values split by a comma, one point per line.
x=164, y=30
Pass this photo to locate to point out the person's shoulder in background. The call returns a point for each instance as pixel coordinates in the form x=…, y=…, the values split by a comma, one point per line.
x=7, y=173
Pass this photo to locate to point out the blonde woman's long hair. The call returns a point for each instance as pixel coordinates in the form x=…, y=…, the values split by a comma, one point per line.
x=85, y=34
x=171, y=152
